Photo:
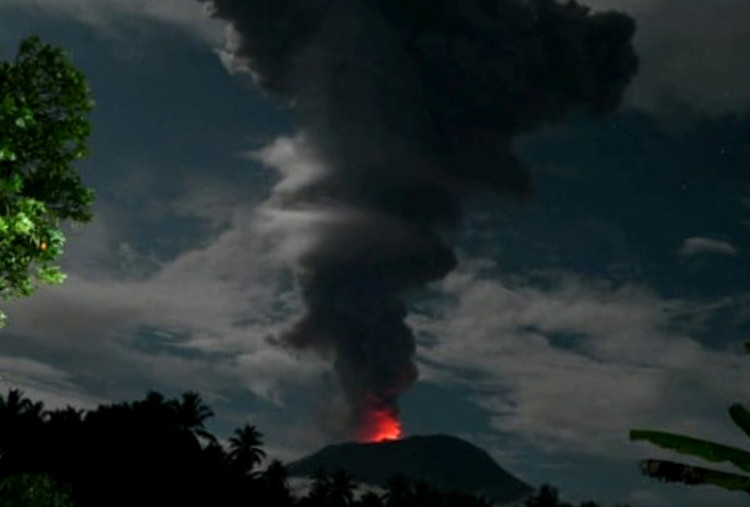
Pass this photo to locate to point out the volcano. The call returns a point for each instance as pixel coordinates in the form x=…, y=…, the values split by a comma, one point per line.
x=445, y=462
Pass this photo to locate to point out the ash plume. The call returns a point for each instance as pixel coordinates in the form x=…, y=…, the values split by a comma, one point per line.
x=402, y=107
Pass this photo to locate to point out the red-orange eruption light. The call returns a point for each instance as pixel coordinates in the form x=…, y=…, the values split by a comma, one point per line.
x=381, y=425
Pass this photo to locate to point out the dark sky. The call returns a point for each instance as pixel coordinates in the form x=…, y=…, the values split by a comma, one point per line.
x=615, y=299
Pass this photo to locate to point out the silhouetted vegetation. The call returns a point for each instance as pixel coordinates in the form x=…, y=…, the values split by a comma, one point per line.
x=548, y=496
x=157, y=451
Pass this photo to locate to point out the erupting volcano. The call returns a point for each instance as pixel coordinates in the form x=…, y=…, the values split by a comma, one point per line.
x=382, y=425
x=404, y=107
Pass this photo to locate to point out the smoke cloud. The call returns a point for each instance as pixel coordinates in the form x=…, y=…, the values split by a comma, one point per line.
x=403, y=106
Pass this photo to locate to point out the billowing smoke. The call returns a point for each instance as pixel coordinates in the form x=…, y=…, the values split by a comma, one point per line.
x=403, y=106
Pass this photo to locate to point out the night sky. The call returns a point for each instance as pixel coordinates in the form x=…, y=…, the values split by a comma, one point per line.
x=616, y=298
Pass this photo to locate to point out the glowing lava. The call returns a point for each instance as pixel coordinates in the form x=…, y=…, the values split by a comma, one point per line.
x=382, y=425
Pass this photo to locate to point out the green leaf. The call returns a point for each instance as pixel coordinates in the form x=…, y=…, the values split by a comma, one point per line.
x=741, y=417
x=678, y=472
x=7, y=154
x=22, y=224
x=11, y=185
x=696, y=447
x=51, y=275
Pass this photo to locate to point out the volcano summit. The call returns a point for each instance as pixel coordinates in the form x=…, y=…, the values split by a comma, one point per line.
x=444, y=462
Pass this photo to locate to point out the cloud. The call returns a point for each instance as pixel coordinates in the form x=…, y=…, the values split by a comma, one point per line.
x=111, y=14
x=690, y=51
x=212, y=308
x=573, y=366
x=43, y=382
x=697, y=245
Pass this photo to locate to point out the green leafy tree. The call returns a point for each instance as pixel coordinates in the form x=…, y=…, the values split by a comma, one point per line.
x=44, y=106
x=34, y=490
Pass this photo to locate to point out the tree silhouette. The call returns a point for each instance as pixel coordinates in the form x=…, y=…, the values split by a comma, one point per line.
x=547, y=496
x=191, y=413
x=148, y=453
x=273, y=484
x=341, y=489
x=398, y=492
x=319, y=490
x=16, y=405
x=245, y=448
x=371, y=499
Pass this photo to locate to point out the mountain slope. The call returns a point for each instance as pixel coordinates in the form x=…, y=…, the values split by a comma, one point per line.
x=443, y=461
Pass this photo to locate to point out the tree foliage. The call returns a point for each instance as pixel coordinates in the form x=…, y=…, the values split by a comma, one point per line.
x=33, y=490
x=44, y=127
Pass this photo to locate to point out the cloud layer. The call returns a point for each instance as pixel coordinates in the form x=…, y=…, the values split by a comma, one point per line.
x=571, y=365
x=698, y=245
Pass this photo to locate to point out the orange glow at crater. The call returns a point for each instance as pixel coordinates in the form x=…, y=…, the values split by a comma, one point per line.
x=381, y=426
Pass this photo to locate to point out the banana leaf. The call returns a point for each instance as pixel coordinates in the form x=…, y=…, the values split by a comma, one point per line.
x=741, y=417
x=677, y=472
x=696, y=447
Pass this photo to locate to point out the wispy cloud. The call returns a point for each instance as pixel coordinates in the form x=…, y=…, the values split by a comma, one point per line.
x=219, y=303
x=697, y=245
x=571, y=367
x=187, y=14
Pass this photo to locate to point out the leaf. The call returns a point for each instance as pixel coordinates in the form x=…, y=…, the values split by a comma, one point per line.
x=51, y=275
x=696, y=447
x=22, y=224
x=11, y=185
x=678, y=472
x=7, y=154
x=741, y=417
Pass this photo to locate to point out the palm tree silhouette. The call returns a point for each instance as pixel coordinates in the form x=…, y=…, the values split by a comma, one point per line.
x=341, y=489
x=547, y=496
x=398, y=492
x=191, y=413
x=245, y=448
x=371, y=499
x=15, y=404
x=274, y=484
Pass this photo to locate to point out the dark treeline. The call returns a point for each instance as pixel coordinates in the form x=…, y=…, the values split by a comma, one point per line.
x=157, y=451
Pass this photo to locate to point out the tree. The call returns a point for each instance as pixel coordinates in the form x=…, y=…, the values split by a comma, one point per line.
x=44, y=103
x=274, y=485
x=191, y=413
x=547, y=496
x=341, y=492
x=34, y=490
x=245, y=448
